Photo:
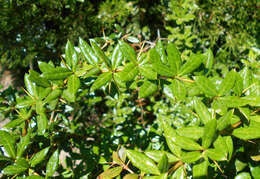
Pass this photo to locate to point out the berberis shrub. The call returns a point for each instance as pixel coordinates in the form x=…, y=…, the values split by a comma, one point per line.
x=150, y=114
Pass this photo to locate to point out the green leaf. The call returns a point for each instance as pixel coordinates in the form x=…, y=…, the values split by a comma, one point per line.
x=163, y=164
x=191, y=132
x=174, y=58
x=161, y=51
x=58, y=73
x=247, y=133
x=180, y=173
x=202, y=111
x=88, y=53
x=4, y=158
x=215, y=154
x=100, y=54
x=45, y=67
x=229, y=144
x=39, y=157
x=243, y=175
x=209, y=133
x=232, y=101
x=148, y=72
x=30, y=86
x=131, y=176
x=142, y=162
x=117, y=57
x=220, y=145
x=255, y=171
x=14, y=123
x=225, y=120
x=34, y=177
x=129, y=72
x=147, y=89
x=206, y=86
x=209, y=60
x=102, y=79
x=200, y=170
x=252, y=100
x=238, y=86
x=158, y=66
x=156, y=155
x=14, y=170
x=8, y=141
x=240, y=165
x=162, y=176
x=111, y=173
x=178, y=89
x=36, y=78
x=73, y=86
x=42, y=123
x=192, y=64
x=127, y=51
x=23, y=144
x=190, y=157
x=54, y=94
x=25, y=103
x=227, y=84
x=71, y=56
x=52, y=164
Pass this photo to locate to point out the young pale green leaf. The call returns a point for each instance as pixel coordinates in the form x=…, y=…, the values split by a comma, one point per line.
x=161, y=51
x=252, y=100
x=53, y=163
x=111, y=173
x=148, y=72
x=23, y=144
x=209, y=133
x=178, y=89
x=163, y=164
x=215, y=154
x=36, y=78
x=243, y=175
x=129, y=72
x=13, y=170
x=227, y=83
x=193, y=132
x=39, y=157
x=147, y=89
x=71, y=56
x=45, y=67
x=200, y=170
x=156, y=155
x=30, y=86
x=190, y=157
x=127, y=51
x=229, y=143
x=58, y=73
x=8, y=141
x=54, y=94
x=202, y=111
x=225, y=120
x=206, y=86
x=131, y=176
x=142, y=162
x=100, y=54
x=247, y=133
x=192, y=64
x=174, y=58
x=42, y=123
x=102, y=79
x=88, y=53
x=117, y=57
x=158, y=66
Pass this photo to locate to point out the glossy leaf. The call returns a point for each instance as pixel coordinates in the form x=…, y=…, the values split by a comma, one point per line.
x=14, y=170
x=52, y=164
x=192, y=64
x=191, y=132
x=163, y=164
x=174, y=58
x=156, y=155
x=88, y=53
x=148, y=72
x=225, y=121
x=127, y=51
x=73, y=86
x=39, y=157
x=202, y=111
x=200, y=170
x=227, y=83
x=232, y=101
x=206, y=86
x=129, y=72
x=243, y=175
x=147, y=89
x=23, y=144
x=30, y=86
x=36, y=78
x=142, y=162
x=54, y=94
x=161, y=51
x=42, y=123
x=229, y=143
x=117, y=57
x=209, y=60
x=71, y=56
x=215, y=154
x=102, y=79
x=111, y=173
x=209, y=133
x=45, y=67
x=59, y=73
x=190, y=157
x=247, y=133
x=8, y=141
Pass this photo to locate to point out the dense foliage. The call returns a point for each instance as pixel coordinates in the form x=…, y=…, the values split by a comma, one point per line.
x=153, y=113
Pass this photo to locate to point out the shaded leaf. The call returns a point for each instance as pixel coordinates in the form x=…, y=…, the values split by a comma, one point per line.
x=8, y=141
x=39, y=157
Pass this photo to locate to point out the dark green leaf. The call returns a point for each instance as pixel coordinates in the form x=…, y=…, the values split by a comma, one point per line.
x=58, y=73
x=30, y=86
x=8, y=141
x=71, y=56
x=42, y=123
x=117, y=57
x=142, y=162
x=39, y=156
x=73, y=86
x=13, y=170
x=54, y=94
x=36, y=78
x=87, y=52
x=23, y=144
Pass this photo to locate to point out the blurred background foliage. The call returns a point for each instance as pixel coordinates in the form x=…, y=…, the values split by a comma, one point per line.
x=37, y=30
